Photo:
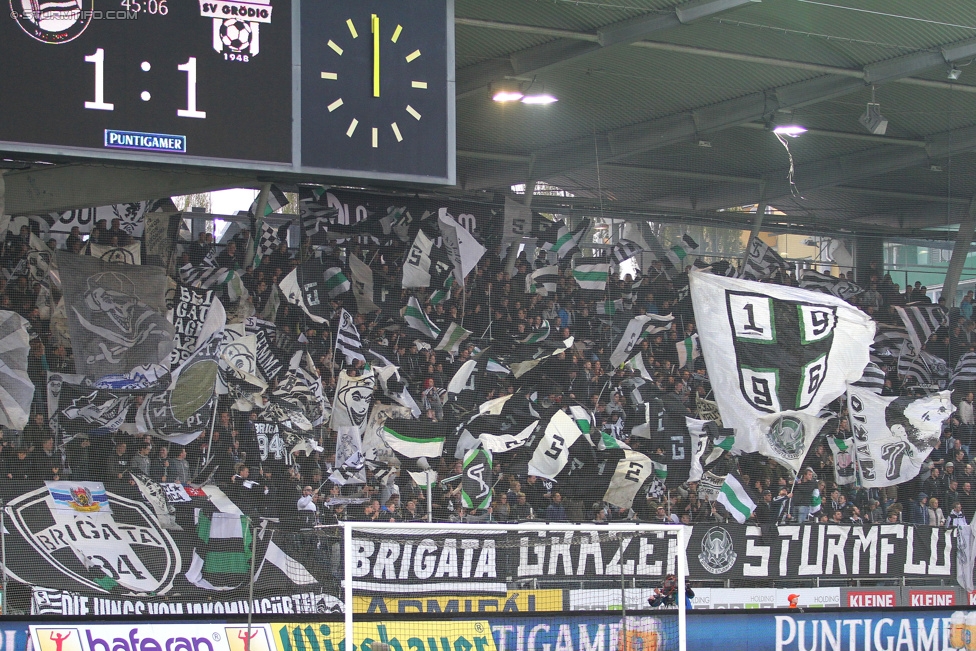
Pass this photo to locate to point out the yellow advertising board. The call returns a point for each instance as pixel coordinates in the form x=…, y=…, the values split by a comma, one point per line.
x=401, y=636
x=516, y=601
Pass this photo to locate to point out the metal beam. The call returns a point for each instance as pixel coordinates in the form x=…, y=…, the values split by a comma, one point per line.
x=857, y=73
x=534, y=60
x=959, y=253
x=68, y=187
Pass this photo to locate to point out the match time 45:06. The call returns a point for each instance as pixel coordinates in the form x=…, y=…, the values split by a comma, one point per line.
x=152, y=7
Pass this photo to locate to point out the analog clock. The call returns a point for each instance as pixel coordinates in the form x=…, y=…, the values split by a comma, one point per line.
x=375, y=87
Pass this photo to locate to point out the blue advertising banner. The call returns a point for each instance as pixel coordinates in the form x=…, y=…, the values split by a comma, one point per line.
x=842, y=631
x=14, y=636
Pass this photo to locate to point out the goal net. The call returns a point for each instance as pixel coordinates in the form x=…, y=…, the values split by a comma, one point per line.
x=526, y=587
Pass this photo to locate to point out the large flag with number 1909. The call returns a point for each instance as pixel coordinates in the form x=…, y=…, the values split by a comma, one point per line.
x=774, y=350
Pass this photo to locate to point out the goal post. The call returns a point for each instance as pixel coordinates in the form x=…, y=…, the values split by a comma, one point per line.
x=606, y=573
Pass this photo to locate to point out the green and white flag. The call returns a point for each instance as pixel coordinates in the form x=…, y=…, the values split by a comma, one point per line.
x=682, y=250
x=413, y=439
x=539, y=335
x=494, y=366
x=441, y=295
x=542, y=281
x=414, y=315
x=636, y=363
x=477, y=479
x=567, y=240
x=736, y=498
x=688, y=350
x=223, y=559
x=592, y=273
x=452, y=338
x=816, y=501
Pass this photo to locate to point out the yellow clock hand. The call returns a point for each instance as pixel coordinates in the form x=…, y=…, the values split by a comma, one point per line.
x=376, y=55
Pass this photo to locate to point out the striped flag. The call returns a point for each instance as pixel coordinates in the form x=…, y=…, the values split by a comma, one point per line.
x=452, y=338
x=413, y=439
x=336, y=282
x=872, y=379
x=276, y=201
x=204, y=277
x=494, y=366
x=625, y=250
x=592, y=273
x=348, y=341
x=921, y=322
x=542, y=281
x=762, y=261
x=888, y=341
x=818, y=282
x=677, y=254
x=539, y=335
x=965, y=370
x=924, y=367
x=415, y=317
x=737, y=498
x=688, y=350
x=223, y=560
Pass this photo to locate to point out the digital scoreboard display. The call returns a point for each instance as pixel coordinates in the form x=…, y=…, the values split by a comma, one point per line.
x=334, y=88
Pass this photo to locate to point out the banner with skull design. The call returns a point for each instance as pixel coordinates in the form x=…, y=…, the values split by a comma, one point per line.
x=116, y=315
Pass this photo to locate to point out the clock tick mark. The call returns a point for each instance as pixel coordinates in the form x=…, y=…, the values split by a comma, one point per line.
x=330, y=75
x=396, y=33
x=412, y=111
x=413, y=55
x=352, y=128
x=334, y=105
x=146, y=66
x=145, y=96
x=419, y=84
x=375, y=137
x=335, y=48
x=396, y=132
x=352, y=28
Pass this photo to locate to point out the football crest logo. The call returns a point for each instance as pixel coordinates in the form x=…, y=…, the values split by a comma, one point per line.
x=237, y=26
x=781, y=349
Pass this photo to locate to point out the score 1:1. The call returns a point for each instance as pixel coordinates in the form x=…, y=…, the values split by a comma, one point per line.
x=190, y=68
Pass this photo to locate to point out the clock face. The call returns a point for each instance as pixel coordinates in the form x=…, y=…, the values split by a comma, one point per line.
x=375, y=93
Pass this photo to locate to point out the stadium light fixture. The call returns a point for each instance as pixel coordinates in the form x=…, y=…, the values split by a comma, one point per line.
x=791, y=130
x=542, y=98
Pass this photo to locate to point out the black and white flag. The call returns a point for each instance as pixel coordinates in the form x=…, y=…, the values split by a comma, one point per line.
x=269, y=241
x=638, y=328
x=888, y=341
x=625, y=250
x=313, y=285
x=923, y=367
x=197, y=314
x=818, y=282
x=186, y=407
x=464, y=251
x=965, y=370
x=873, y=379
x=552, y=449
x=316, y=214
x=362, y=285
x=921, y=322
x=348, y=341
x=16, y=388
x=762, y=261
x=416, y=266
x=116, y=314
x=517, y=224
x=894, y=435
x=772, y=349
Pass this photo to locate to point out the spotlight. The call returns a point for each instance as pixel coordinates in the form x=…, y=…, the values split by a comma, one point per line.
x=873, y=121
x=791, y=130
x=544, y=98
x=505, y=91
x=954, y=73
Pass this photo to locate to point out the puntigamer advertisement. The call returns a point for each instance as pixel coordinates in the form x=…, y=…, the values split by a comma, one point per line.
x=861, y=630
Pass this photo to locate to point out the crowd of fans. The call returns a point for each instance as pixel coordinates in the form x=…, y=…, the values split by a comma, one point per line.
x=495, y=306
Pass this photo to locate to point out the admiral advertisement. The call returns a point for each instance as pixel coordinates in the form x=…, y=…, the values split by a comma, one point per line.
x=735, y=552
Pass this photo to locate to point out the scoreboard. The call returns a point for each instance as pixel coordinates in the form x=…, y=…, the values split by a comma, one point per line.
x=360, y=89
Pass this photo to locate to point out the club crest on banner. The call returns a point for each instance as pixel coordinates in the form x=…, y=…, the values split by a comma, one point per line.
x=717, y=551
x=786, y=437
x=124, y=542
x=762, y=329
